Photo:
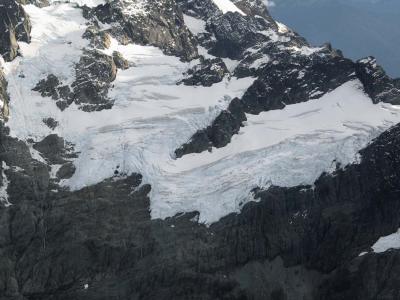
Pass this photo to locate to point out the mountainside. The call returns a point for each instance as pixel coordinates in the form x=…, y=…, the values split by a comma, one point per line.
x=358, y=27
x=191, y=149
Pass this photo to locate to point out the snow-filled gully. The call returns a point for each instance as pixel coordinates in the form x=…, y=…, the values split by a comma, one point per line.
x=153, y=116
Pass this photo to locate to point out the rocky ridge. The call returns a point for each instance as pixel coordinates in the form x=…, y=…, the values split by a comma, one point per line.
x=15, y=27
x=288, y=71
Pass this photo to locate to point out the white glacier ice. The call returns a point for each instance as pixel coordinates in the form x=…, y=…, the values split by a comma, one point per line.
x=152, y=116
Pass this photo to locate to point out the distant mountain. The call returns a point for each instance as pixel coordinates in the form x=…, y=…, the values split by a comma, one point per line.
x=358, y=27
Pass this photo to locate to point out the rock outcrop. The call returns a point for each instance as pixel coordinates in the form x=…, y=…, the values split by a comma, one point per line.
x=206, y=73
x=14, y=26
x=38, y=3
x=379, y=86
x=4, y=98
x=145, y=23
x=94, y=74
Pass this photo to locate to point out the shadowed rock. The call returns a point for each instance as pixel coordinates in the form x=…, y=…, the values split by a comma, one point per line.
x=120, y=61
x=208, y=72
x=378, y=85
x=98, y=38
x=159, y=24
x=4, y=98
x=94, y=74
x=14, y=26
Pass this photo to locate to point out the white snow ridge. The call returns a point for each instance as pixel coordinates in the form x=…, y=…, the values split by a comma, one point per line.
x=152, y=116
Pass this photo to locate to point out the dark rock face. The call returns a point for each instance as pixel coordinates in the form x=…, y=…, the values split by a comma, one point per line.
x=254, y=8
x=4, y=99
x=203, y=9
x=120, y=61
x=100, y=39
x=372, y=274
x=208, y=72
x=94, y=74
x=38, y=3
x=55, y=149
x=100, y=243
x=159, y=24
x=52, y=87
x=379, y=86
x=50, y=122
x=219, y=134
x=278, y=85
x=234, y=34
x=14, y=26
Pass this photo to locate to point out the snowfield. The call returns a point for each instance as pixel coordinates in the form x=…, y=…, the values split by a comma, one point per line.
x=153, y=116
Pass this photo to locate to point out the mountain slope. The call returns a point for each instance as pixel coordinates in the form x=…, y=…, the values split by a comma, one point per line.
x=359, y=28
x=173, y=149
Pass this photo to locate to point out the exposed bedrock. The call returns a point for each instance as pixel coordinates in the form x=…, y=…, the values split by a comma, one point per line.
x=206, y=73
x=147, y=23
x=202, y=9
x=94, y=74
x=14, y=26
x=378, y=85
x=219, y=133
x=100, y=242
x=38, y=3
x=234, y=34
x=292, y=79
x=4, y=98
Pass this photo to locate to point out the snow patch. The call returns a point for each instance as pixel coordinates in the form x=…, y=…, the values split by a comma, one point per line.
x=305, y=50
x=385, y=243
x=227, y=6
x=196, y=26
x=259, y=62
x=282, y=28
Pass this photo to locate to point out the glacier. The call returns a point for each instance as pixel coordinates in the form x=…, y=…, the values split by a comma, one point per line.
x=152, y=116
